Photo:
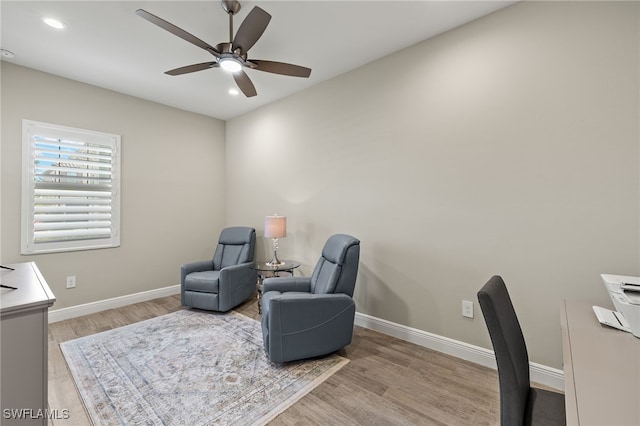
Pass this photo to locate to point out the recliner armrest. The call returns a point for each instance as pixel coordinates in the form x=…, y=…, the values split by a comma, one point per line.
x=303, y=325
x=298, y=312
x=235, y=284
x=187, y=268
x=236, y=273
x=287, y=284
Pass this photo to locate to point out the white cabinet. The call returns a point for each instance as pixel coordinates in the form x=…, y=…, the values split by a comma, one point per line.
x=24, y=345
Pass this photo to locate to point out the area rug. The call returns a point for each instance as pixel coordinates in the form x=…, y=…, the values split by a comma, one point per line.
x=188, y=368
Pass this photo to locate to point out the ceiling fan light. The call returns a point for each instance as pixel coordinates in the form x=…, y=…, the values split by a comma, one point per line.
x=230, y=64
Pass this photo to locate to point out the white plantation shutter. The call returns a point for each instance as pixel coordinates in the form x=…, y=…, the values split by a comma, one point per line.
x=71, y=183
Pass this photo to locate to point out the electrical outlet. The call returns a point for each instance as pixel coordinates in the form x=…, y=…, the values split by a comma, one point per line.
x=467, y=309
x=71, y=281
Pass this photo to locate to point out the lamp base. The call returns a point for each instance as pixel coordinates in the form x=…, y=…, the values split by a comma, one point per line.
x=275, y=261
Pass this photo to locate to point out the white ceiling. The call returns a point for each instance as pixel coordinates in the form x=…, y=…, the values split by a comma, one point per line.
x=107, y=45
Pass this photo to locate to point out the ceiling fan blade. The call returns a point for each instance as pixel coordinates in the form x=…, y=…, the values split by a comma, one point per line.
x=192, y=68
x=177, y=31
x=244, y=83
x=281, y=68
x=251, y=29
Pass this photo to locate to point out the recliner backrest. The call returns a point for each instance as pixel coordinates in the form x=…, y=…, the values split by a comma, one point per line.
x=236, y=245
x=337, y=268
x=510, y=350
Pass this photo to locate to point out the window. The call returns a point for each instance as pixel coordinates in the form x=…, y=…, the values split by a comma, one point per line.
x=70, y=189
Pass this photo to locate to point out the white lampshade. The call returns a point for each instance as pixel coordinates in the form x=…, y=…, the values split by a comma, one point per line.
x=275, y=226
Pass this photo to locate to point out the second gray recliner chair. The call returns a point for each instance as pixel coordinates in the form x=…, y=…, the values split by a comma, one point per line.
x=305, y=317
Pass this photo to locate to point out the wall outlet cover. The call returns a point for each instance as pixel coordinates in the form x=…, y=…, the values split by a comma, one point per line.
x=467, y=309
x=71, y=281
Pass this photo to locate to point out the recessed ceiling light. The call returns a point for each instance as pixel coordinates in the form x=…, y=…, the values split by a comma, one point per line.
x=7, y=53
x=54, y=23
x=234, y=92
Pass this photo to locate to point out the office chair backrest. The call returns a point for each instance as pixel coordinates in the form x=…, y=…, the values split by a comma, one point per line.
x=510, y=350
x=236, y=245
x=337, y=268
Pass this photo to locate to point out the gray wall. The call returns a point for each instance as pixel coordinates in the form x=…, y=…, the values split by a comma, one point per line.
x=508, y=146
x=172, y=185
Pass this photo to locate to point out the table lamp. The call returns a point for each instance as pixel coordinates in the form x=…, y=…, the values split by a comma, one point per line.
x=275, y=227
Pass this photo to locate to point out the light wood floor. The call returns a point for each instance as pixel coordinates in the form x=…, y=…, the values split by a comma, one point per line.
x=387, y=381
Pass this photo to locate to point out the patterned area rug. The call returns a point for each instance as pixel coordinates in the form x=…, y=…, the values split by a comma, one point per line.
x=188, y=368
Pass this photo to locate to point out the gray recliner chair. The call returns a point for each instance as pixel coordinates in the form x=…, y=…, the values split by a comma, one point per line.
x=225, y=281
x=305, y=317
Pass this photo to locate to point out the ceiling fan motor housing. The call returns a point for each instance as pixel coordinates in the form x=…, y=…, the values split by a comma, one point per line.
x=225, y=48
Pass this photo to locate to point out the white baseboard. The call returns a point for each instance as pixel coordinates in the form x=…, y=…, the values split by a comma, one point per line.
x=117, y=302
x=539, y=373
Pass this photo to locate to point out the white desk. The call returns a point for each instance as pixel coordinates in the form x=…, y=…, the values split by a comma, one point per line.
x=601, y=370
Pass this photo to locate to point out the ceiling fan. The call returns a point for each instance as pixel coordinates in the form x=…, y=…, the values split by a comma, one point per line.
x=232, y=56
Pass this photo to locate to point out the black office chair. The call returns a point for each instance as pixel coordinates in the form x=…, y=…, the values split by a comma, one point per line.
x=520, y=404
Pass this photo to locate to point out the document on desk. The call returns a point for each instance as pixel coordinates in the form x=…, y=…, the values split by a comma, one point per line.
x=611, y=319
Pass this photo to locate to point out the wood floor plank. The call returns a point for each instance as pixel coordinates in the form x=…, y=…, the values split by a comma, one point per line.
x=387, y=381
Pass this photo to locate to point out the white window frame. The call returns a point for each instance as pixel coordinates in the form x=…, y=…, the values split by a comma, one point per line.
x=85, y=187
